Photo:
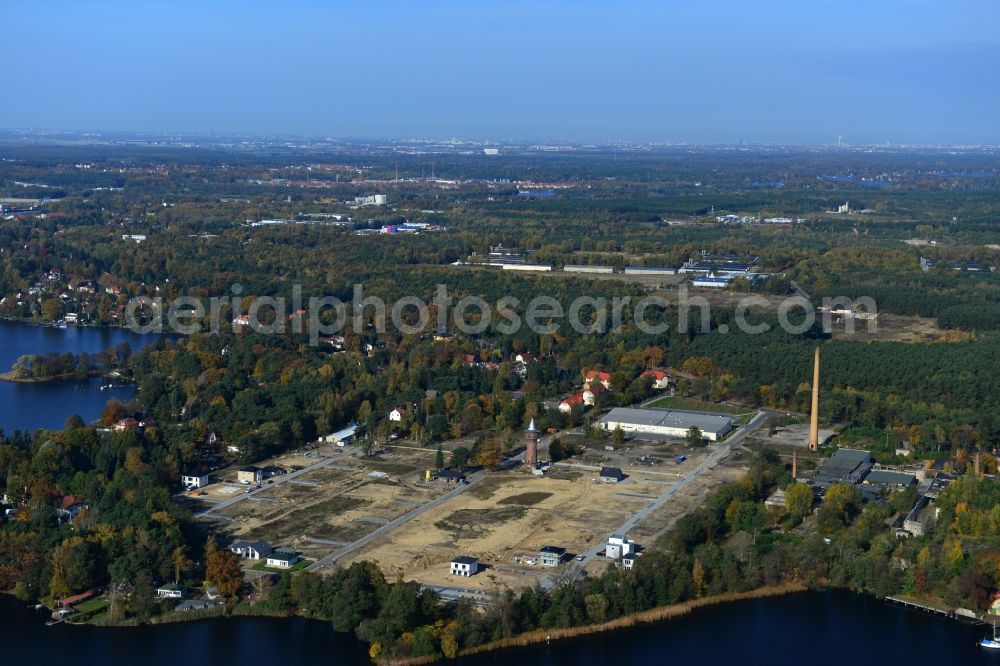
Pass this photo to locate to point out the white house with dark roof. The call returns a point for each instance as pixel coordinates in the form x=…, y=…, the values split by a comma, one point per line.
x=463, y=565
x=612, y=475
x=194, y=478
x=251, y=550
x=282, y=559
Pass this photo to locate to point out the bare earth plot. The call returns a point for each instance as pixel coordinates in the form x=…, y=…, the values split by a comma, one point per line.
x=504, y=516
x=332, y=505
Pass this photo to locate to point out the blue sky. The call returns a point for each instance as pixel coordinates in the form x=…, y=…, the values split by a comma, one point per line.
x=804, y=71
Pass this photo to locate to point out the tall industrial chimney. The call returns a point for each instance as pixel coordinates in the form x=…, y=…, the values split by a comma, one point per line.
x=814, y=414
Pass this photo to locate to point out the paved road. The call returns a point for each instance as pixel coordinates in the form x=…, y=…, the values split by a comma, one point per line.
x=798, y=291
x=720, y=452
x=242, y=495
x=390, y=526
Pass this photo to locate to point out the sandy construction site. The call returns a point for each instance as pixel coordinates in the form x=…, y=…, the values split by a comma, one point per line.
x=337, y=498
x=515, y=514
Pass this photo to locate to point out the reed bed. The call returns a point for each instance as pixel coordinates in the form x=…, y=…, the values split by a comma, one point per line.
x=658, y=614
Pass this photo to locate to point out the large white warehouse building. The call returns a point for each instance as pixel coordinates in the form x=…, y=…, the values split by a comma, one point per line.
x=666, y=423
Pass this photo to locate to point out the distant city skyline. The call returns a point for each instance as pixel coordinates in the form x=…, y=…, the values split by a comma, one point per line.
x=711, y=72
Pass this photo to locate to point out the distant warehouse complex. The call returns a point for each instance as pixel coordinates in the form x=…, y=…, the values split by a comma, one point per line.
x=649, y=270
x=570, y=268
x=666, y=423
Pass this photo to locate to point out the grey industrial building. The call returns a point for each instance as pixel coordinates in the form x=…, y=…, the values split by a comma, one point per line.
x=660, y=423
x=649, y=270
x=850, y=465
x=886, y=478
x=570, y=268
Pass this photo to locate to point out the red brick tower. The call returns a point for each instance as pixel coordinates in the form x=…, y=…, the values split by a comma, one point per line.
x=531, y=448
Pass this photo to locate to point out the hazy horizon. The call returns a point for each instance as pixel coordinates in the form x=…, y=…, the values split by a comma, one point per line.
x=715, y=72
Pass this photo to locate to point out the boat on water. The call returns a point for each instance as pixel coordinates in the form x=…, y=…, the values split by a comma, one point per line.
x=991, y=643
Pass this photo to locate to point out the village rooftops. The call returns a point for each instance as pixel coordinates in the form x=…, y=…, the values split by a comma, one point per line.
x=552, y=550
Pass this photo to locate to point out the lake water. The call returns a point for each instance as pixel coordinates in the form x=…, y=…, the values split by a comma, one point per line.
x=809, y=628
x=47, y=405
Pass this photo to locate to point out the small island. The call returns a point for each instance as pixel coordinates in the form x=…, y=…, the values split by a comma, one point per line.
x=36, y=368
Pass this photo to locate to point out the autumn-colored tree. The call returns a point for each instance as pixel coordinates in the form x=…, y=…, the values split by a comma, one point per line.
x=222, y=569
x=698, y=577
x=180, y=561
x=489, y=454
x=597, y=607
x=698, y=366
x=113, y=412
x=798, y=499
x=134, y=464
x=449, y=641
x=841, y=503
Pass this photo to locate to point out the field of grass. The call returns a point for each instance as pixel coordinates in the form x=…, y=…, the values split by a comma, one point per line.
x=91, y=605
x=306, y=520
x=673, y=402
x=88, y=611
x=486, y=488
x=471, y=523
x=525, y=499
x=390, y=467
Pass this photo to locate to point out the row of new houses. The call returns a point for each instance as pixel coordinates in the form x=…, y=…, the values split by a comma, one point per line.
x=619, y=548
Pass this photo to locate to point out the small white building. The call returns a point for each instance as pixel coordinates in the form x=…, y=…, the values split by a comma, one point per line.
x=282, y=559
x=464, y=565
x=194, y=479
x=169, y=592
x=397, y=414
x=660, y=379
x=621, y=549
x=618, y=546
x=716, y=282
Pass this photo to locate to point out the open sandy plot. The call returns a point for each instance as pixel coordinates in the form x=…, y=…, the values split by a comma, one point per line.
x=504, y=516
x=694, y=495
x=327, y=507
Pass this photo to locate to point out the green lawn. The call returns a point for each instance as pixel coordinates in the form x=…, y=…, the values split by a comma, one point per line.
x=91, y=605
x=89, y=611
x=676, y=402
x=262, y=566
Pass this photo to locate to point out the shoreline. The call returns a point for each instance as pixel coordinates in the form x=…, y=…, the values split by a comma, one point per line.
x=9, y=376
x=528, y=639
x=52, y=324
x=650, y=616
